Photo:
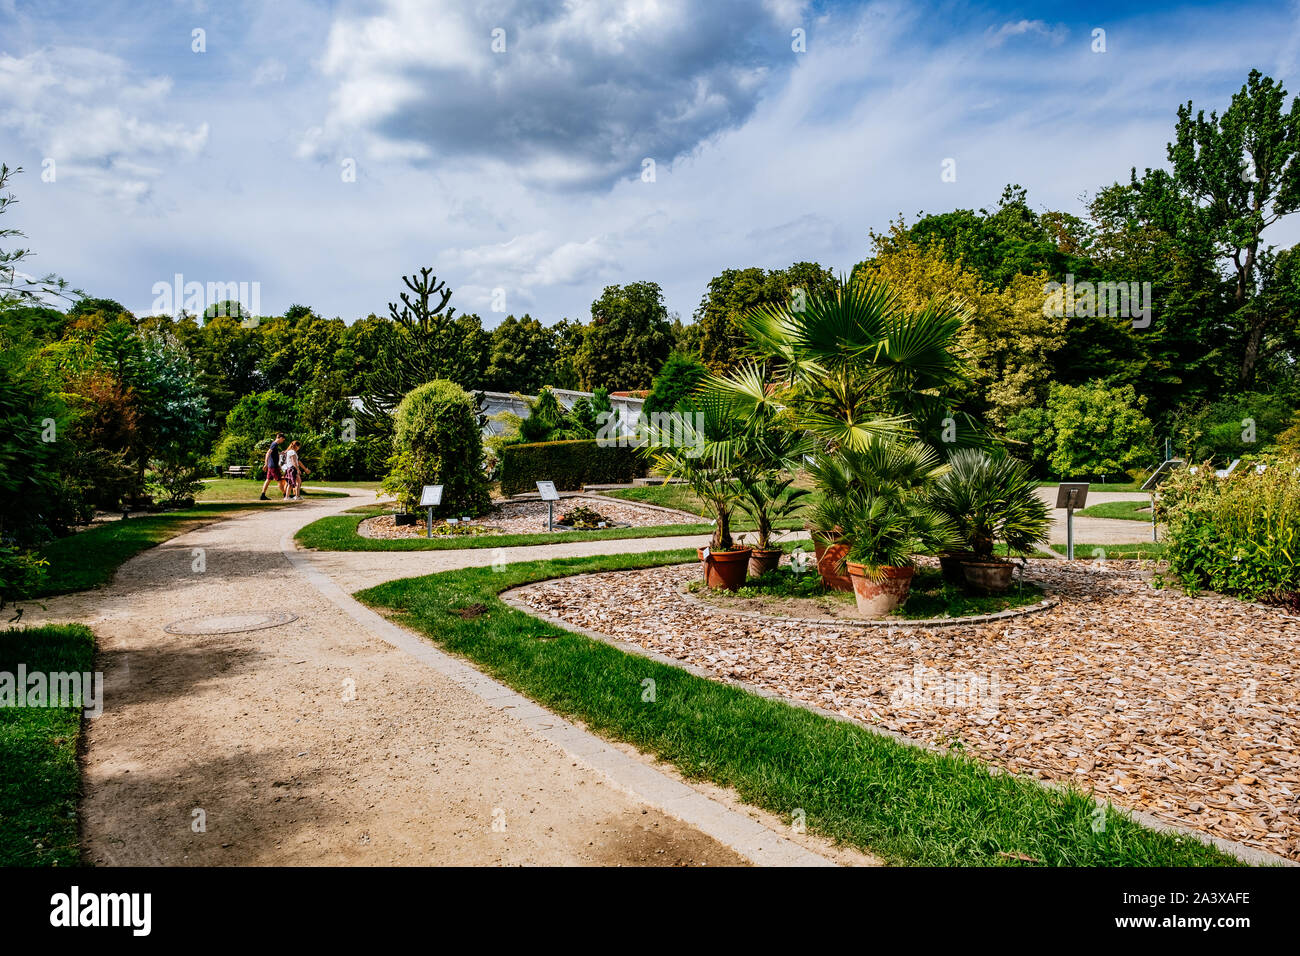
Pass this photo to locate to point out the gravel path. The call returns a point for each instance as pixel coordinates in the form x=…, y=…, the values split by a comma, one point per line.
x=315, y=742
x=1098, y=530
x=1185, y=708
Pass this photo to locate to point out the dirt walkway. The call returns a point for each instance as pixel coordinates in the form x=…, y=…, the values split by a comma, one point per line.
x=315, y=742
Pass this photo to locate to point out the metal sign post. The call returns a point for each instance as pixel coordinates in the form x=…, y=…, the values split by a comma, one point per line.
x=430, y=498
x=547, y=490
x=1071, y=495
x=1152, y=484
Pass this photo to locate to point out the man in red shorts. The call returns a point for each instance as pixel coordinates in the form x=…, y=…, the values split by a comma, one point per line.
x=273, y=472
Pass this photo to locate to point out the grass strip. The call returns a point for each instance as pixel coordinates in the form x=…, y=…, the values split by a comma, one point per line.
x=903, y=803
x=88, y=559
x=1141, y=550
x=339, y=533
x=39, y=780
x=245, y=489
x=1126, y=510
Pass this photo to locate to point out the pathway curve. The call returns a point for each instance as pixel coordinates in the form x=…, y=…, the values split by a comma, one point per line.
x=322, y=741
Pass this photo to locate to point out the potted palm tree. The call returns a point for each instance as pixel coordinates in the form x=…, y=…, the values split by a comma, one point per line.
x=989, y=500
x=706, y=448
x=767, y=499
x=887, y=528
x=880, y=468
x=850, y=368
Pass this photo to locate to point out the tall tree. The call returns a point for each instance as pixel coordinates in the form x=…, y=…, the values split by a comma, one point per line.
x=428, y=343
x=722, y=342
x=1240, y=175
x=628, y=338
x=521, y=357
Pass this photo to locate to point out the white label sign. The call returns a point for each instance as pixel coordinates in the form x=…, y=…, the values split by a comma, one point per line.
x=431, y=496
x=547, y=491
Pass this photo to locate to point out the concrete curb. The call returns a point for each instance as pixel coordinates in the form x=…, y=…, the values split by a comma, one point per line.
x=747, y=837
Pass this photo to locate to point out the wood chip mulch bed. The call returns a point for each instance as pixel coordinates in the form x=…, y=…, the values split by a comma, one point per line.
x=529, y=517
x=1187, y=708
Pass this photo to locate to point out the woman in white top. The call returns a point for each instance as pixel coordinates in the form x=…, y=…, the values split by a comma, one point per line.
x=294, y=469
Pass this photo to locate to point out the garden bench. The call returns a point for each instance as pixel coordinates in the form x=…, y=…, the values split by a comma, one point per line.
x=238, y=471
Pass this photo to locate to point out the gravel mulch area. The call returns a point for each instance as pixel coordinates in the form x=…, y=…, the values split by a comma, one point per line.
x=1184, y=707
x=529, y=517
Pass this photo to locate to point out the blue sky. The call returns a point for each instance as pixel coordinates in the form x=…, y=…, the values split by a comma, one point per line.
x=520, y=172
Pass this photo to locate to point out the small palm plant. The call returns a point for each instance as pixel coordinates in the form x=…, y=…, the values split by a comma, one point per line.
x=991, y=500
x=768, y=499
x=705, y=446
x=882, y=467
x=888, y=529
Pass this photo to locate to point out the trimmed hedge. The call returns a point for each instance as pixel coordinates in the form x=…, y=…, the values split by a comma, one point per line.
x=570, y=464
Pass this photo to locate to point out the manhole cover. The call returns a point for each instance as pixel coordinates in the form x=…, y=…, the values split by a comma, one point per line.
x=228, y=623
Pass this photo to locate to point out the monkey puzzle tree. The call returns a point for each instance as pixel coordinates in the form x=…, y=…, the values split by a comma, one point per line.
x=425, y=342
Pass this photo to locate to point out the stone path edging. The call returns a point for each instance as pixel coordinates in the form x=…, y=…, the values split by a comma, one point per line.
x=750, y=839
x=510, y=597
x=931, y=622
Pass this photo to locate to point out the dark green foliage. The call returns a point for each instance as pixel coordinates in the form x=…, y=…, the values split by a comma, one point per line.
x=1237, y=535
x=522, y=356
x=720, y=341
x=1236, y=426
x=425, y=342
x=990, y=500
x=628, y=339
x=359, y=460
x=679, y=377
x=570, y=464
x=437, y=441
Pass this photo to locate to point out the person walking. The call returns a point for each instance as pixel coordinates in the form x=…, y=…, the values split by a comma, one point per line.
x=273, y=472
x=294, y=470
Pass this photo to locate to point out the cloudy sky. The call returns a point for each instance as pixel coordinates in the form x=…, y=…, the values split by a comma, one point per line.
x=542, y=149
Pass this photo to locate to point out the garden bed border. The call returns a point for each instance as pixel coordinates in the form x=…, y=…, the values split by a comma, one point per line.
x=510, y=597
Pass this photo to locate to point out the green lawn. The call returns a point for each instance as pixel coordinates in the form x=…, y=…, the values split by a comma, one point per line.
x=1128, y=510
x=39, y=779
x=339, y=533
x=1145, y=550
x=1099, y=485
x=245, y=489
x=89, y=558
x=908, y=805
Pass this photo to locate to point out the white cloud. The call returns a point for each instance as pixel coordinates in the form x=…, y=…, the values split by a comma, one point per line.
x=581, y=93
x=269, y=71
x=1055, y=34
x=102, y=132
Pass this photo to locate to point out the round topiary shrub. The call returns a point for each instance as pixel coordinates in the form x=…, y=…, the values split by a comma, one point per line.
x=437, y=441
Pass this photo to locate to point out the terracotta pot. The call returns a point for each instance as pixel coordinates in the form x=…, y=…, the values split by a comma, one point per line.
x=830, y=551
x=992, y=577
x=725, y=569
x=878, y=598
x=951, y=566
x=763, y=562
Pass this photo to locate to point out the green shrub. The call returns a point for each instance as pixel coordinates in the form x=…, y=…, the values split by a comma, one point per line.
x=437, y=441
x=232, y=449
x=570, y=464
x=364, y=459
x=1085, y=431
x=679, y=377
x=1238, y=535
